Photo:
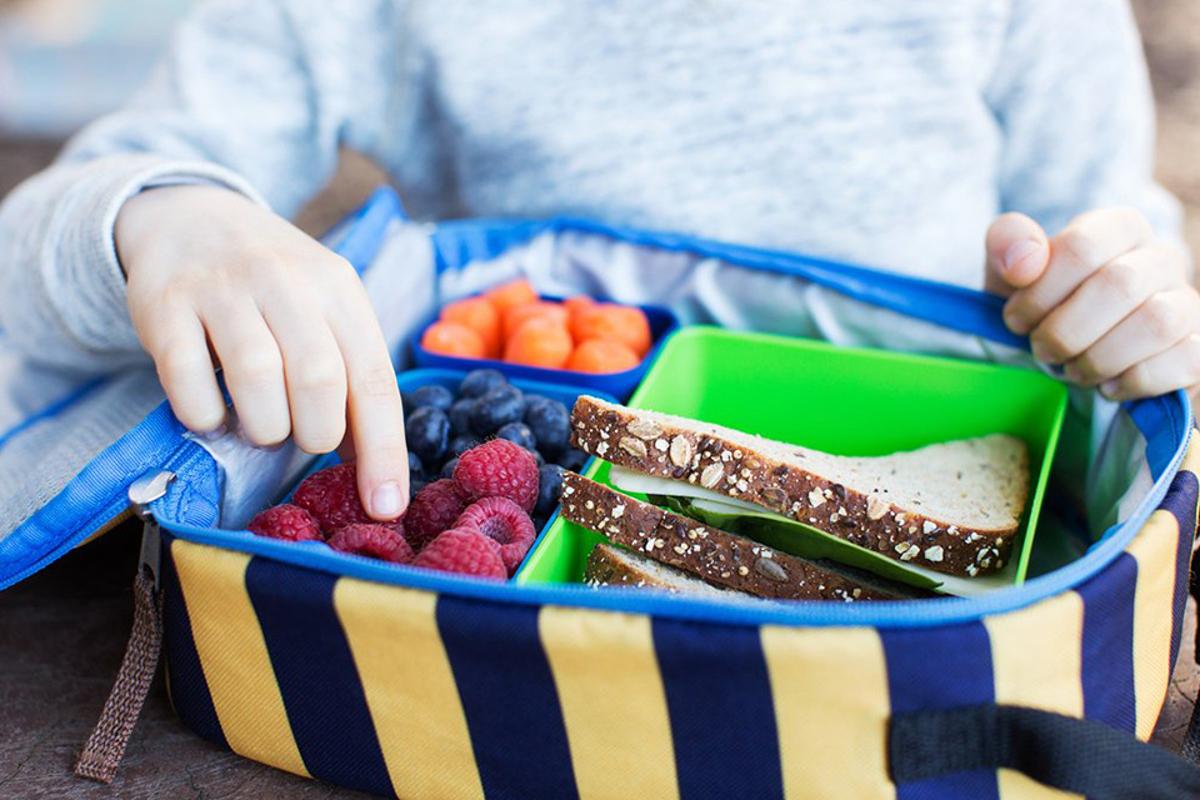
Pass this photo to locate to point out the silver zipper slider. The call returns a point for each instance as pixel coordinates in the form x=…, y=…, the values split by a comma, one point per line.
x=142, y=492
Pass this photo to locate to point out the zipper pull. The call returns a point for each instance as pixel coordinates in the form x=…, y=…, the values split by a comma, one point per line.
x=142, y=492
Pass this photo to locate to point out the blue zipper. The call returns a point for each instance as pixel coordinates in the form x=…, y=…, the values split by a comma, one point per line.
x=113, y=507
x=894, y=614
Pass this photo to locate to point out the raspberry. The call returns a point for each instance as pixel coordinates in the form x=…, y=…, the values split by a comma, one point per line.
x=331, y=496
x=498, y=468
x=432, y=511
x=463, y=550
x=288, y=522
x=502, y=520
x=374, y=540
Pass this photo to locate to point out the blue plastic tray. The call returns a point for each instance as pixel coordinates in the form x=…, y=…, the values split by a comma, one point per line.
x=662, y=321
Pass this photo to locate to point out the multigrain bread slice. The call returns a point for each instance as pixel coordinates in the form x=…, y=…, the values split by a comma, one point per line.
x=954, y=507
x=717, y=557
x=608, y=565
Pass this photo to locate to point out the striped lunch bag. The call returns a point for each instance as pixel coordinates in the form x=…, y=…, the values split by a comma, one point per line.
x=403, y=682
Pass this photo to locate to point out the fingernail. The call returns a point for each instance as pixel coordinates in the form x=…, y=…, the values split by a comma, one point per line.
x=1018, y=251
x=1108, y=388
x=385, y=500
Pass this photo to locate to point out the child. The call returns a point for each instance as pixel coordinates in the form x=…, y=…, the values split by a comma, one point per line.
x=917, y=136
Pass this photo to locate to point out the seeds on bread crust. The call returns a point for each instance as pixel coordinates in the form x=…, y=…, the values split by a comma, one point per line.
x=635, y=447
x=681, y=451
x=871, y=518
x=711, y=475
x=644, y=429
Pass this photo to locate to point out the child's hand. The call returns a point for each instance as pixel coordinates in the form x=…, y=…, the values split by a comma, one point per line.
x=212, y=275
x=1105, y=298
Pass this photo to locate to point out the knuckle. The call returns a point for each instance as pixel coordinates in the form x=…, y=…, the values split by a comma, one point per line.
x=257, y=364
x=1052, y=341
x=1075, y=244
x=388, y=448
x=1122, y=278
x=178, y=365
x=316, y=442
x=269, y=437
x=377, y=383
x=318, y=375
x=1163, y=319
x=1085, y=367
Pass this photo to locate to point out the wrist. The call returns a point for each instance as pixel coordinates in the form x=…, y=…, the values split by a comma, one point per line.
x=148, y=218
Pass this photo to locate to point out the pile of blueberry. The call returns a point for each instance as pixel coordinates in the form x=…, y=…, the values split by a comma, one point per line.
x=441, y=425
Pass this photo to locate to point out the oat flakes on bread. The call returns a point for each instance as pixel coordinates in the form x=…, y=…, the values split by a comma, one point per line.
x=715, y=556
x=954, y=507
x=609, y=565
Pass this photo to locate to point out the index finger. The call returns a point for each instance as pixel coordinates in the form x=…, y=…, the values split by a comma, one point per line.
x=374, y=410
x=1087, y=244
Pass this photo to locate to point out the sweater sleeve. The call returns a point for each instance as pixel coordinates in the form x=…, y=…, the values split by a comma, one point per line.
x=1072, y=97
x=244, y=99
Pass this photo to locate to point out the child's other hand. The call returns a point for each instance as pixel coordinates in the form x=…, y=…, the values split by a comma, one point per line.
x=1105, y=298
x=211, y=276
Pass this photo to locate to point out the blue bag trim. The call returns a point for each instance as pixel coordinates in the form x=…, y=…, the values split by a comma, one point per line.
x=358, y=236
x=93, y=498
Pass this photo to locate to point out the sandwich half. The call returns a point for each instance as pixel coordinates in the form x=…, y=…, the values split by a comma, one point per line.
x=954, y=507
x=717, y=557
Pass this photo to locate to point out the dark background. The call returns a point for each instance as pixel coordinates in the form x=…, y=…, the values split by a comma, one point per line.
x=62, y=632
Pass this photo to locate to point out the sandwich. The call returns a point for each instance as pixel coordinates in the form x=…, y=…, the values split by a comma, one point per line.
x=943, y=517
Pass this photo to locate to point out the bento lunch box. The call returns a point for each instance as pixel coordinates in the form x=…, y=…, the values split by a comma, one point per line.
x=857, y=402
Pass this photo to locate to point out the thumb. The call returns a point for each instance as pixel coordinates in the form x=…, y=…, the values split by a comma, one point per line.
x=1017, y=253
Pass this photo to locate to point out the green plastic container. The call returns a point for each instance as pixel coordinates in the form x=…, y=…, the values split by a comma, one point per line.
x=843, y=400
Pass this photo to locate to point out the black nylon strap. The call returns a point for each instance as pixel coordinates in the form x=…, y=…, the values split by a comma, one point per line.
x=1075, y=755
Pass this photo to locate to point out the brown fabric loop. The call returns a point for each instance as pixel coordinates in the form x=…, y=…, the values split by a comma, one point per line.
x=106, y=746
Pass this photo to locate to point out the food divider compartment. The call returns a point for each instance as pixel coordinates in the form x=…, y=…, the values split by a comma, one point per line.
x=663, y=323
x=842, y=400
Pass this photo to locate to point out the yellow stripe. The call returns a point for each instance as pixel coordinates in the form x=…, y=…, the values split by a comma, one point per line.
x=410, y=689
x=613, y=702
x=233, y=655
x=1154, y=548
x=831, y=707
x=1191, y=459
x=1037, y=660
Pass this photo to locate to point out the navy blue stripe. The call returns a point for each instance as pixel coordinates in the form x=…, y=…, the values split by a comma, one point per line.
x=1181, y=501
x=722, y=713
x=941, y=668
x=1107, y=659
x=185, y=677
x=509, y=698
x=317, y=678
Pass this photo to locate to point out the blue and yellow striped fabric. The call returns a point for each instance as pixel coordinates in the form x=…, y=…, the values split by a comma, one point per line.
x=404, y=692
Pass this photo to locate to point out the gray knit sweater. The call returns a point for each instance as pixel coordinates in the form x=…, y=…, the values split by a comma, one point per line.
x=884, y=132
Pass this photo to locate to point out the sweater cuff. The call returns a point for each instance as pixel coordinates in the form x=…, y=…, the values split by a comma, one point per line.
x=91, y=279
